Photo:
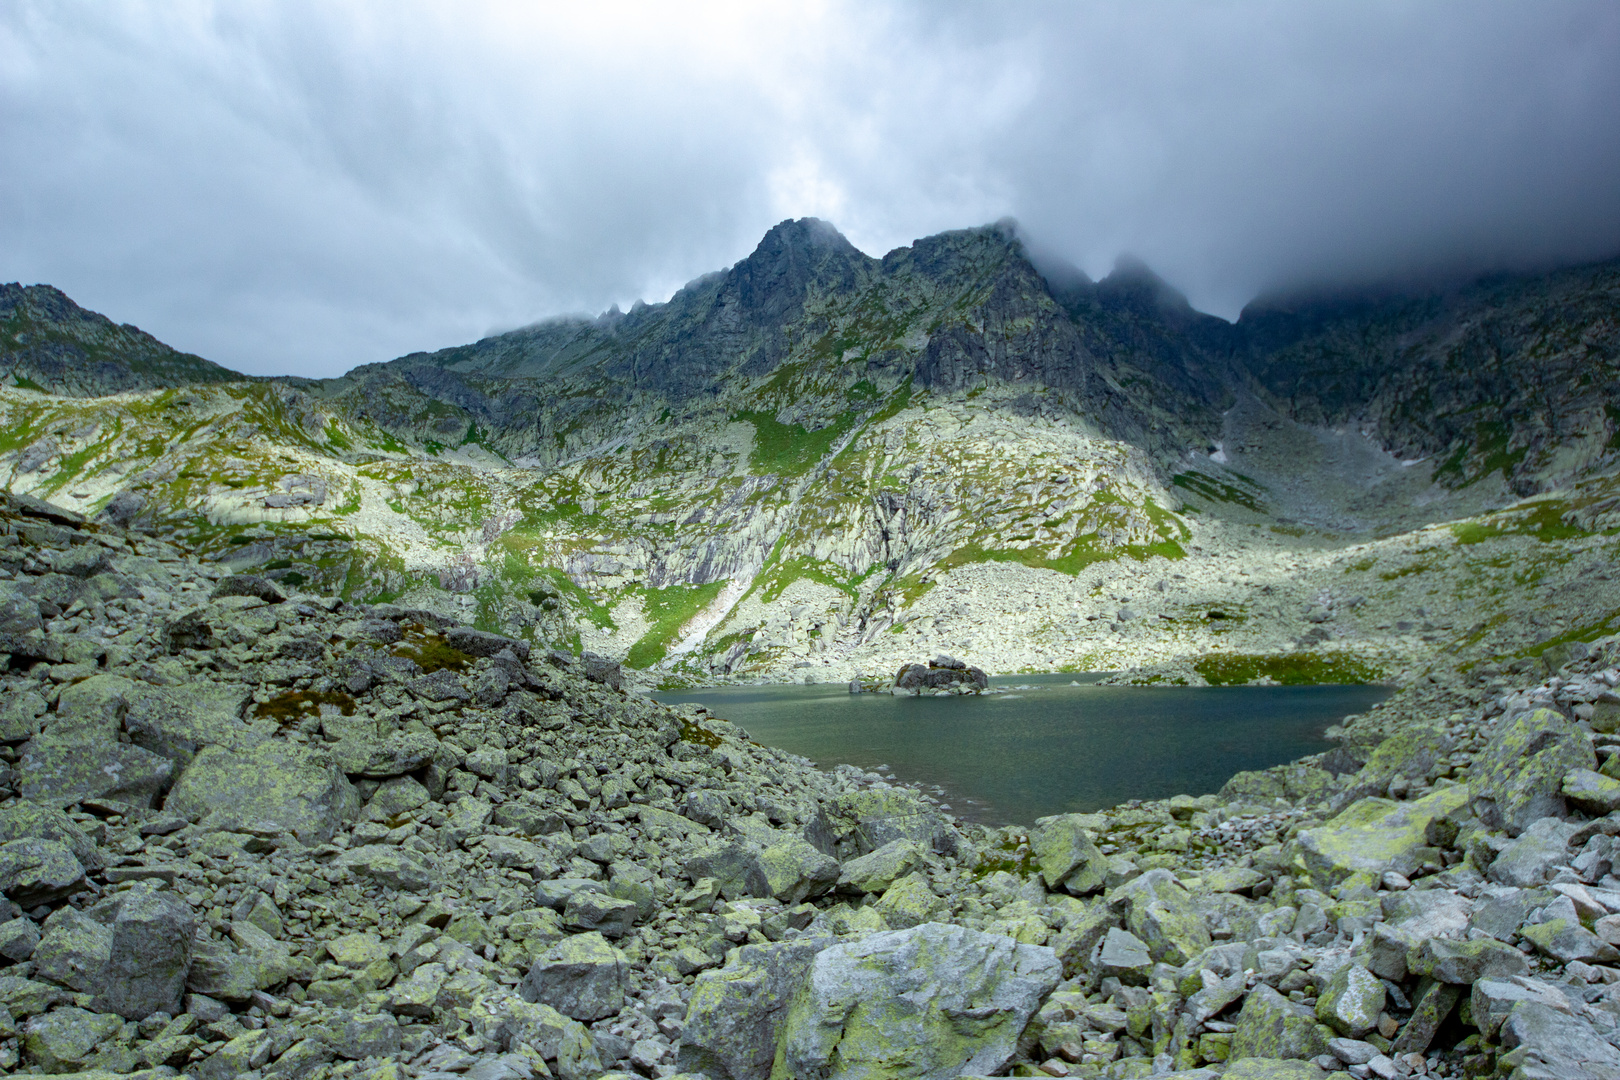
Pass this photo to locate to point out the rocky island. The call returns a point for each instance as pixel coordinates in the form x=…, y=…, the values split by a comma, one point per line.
x=323, y=752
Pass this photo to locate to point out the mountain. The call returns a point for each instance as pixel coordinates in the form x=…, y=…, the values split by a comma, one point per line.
x=49, y=343
x=820, y=464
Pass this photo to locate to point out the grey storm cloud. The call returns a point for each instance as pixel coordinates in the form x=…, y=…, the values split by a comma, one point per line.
x=301, y=187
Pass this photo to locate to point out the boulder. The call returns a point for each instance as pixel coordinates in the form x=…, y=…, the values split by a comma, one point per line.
x=1062, y=848
x=608, y=915
x=1544, y=1041
x=581, y=976
x=1463, y=963
x=34, y=872
x=249, y=585
x=770, y=863
x=1271, y=1026
x=20, y=715
x=1529, y=860
x=18, y=939
x=150, y=955
x=876, y=871
x=297, y=787
x=908, y=902
x=73, y=951
x=68, y=1040
x=388, y=865
x=1591, y=792
x=62, y=772
x=176, y=722
x=1410, y=753
x=919, y=678
x=1373, y=836
x=20, y=820
x=863, y=821
x=934, y=1001
x=1351, y=1001
x=737, y=1014
x=1125, y=957
x=1518, y=778
x=1162, y=915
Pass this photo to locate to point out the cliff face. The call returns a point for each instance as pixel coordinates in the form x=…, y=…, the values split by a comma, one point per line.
x=819, y=463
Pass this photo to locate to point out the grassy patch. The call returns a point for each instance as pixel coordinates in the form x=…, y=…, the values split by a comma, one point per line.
x=1542, y=520
x=296, y=706
x=1289, y=669
x=668, y=609
x=790, y=449
x=775, y=580
x=430, y=650
x=1208, y=487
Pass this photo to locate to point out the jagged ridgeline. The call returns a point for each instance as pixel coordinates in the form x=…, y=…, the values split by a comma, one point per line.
x=821, y=463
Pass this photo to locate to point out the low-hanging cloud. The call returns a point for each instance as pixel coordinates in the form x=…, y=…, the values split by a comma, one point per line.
x=300, y=187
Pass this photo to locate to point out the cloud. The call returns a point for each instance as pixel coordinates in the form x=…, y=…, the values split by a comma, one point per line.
x=301, y=187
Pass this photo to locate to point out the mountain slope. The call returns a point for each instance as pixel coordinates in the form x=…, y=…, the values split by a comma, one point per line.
x=819, y=464
x=49, y=343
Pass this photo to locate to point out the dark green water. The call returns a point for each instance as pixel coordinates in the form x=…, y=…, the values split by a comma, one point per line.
x=1050, y=749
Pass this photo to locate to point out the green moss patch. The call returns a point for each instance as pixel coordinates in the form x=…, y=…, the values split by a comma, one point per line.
x=668, y=609
x=1288, y=669
x=296, y=706
x=429, y=649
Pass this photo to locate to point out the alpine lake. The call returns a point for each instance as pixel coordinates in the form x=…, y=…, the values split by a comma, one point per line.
x=1043, y=744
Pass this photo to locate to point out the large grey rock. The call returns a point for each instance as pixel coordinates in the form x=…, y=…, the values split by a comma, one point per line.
x=67, y=1040
x=388, y=865
x=1529, y=860
x=34, y=872
x=296, y=787
x=19, y=938
x=736, y=1014
x=1545, y=1043
x=876, y=871
x=1519, y=777
x=20, y=715
x=1351, y=1001
x=22, y=631
x=1271, y=1026
x=581, y=976
x=1124, y=956
x=1490, y=1000
x=176, y=722
x=768, y=863
x=608, y=915
x=66, y=771
x=864, y=821
x=22, y=820
x=74, y=951
x=1161, y=913
x=935, y=1001
x=1063, y=849
x=150, y=955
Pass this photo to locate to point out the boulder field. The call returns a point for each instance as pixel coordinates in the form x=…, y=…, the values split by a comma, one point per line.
x=251, y=834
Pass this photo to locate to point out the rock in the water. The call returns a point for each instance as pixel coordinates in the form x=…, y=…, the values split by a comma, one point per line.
x=1519, y=777
x=296, y=787
x=935, y=1001
x=150, y=955
x=581, y=976
x=737, y=1013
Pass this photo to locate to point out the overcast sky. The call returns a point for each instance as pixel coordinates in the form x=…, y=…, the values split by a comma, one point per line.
x=302, y=187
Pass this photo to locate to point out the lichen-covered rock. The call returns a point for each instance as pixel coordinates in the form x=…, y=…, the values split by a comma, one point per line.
x=73, y=951
x=34, y=872
x=296, y=787
x=581, y=976
x=1161, y=913
x=1546, y=1042
x=1271, y=1026
x=908, y=902
x=737, y=1013
x=1351, y=1001
x=20, y=819
x=176, y=722
x=1464, y=963
x=877, y=870
x=770, y=863
x=150, y=955
x=608, y=915
x=1373, y=836
x=67, y=1040
x=389, y=865
x=1591, y=792
x=61, y=772
x=19, y=938
x=1519, y=776
x=1063, y=849
x=1529, y=860
x=1124, y=956
x=1410, y=753
x=935, y=1001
